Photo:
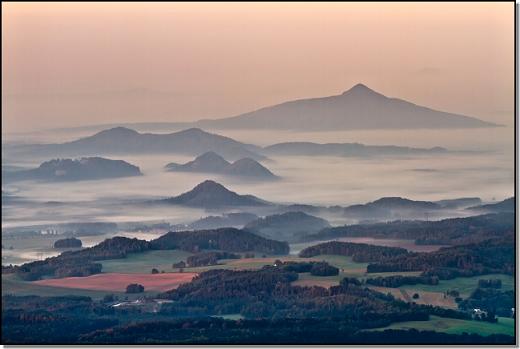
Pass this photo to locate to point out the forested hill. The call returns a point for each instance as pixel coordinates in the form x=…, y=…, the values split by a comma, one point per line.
x=486, y=257
x=83, y=262
x=227, y=239
x=451, y=231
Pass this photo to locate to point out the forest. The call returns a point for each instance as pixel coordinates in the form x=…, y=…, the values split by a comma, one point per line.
x=360, y=253
x=451, y=231
x=486, y=257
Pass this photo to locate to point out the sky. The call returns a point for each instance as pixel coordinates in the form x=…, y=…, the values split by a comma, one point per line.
x=72, y=64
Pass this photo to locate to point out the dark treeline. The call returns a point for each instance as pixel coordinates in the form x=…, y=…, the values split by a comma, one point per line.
x=49, y=320
x=493, y=301
x=209, y=258
x=400, y=280
x=292, y=331
x=361, y=253
x=323, y=269
x=490, y=283
x=80, y=320
x=486, y=257
x=314, y=268
x=68, y=243
x=82, y=262
x=451, y=231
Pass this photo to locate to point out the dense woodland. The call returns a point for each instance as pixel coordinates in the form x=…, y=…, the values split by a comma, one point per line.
x=68, y=243
x=486, y=257
x=226, y=239
x=451, y=231
x=400, y=280
x=490, y=300
x=359, y=252
x=209, y=258
x=80, y=320
x=282, y=331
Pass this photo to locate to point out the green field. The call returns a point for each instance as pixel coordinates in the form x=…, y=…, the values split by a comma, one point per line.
x=465, y=285
x=230, y=316
x=456, y=326
x=144, y=262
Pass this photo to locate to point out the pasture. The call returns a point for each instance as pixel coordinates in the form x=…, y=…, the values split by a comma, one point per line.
x=455, y=326
x=465, y=285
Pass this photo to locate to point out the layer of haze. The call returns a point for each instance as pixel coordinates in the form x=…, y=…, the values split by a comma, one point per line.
x=86, y=63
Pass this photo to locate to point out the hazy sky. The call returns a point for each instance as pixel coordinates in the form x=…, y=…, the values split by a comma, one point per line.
x=86, y=63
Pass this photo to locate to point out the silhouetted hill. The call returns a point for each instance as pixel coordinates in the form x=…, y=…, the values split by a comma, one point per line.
x=211, y=162
x=346, y=149
x=451, y=231
x=236, y=220
x=226, y=239
x=75, y=170
x=210, y=194
x=289, y=226
x=391, y=208
x=459, y=203
x=358, y=108
x=247, y=167
x=507, y=205
x=121, y=140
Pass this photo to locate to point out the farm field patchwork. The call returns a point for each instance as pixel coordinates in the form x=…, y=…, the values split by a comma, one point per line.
x=117, y=282
x=13, y=285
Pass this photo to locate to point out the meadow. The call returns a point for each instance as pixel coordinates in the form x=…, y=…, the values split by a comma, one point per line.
x=456, y=326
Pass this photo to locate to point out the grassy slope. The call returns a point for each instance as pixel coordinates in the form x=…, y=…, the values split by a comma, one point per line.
x=465, y=285
x=456, y=326
x=144, y=262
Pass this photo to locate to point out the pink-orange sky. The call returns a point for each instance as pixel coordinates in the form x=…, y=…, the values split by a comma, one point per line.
x=86, y=63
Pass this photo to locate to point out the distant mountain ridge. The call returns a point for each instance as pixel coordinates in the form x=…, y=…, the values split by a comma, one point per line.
x=507, y=205
x=121, y=140
x=76, y=169
x=211, y=162
x=358, y=108
x=346, y=149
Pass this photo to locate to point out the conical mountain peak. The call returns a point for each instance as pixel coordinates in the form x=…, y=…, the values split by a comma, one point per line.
x=360, y=89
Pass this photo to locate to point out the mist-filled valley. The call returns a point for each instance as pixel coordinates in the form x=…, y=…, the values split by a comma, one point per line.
x=466, y=169
x=166, y=228
x=227, y=173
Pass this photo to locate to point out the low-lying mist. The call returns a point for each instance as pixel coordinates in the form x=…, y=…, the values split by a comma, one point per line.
x=487, y=173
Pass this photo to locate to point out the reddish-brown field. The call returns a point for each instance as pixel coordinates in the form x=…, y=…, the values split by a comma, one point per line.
x=117, y=282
